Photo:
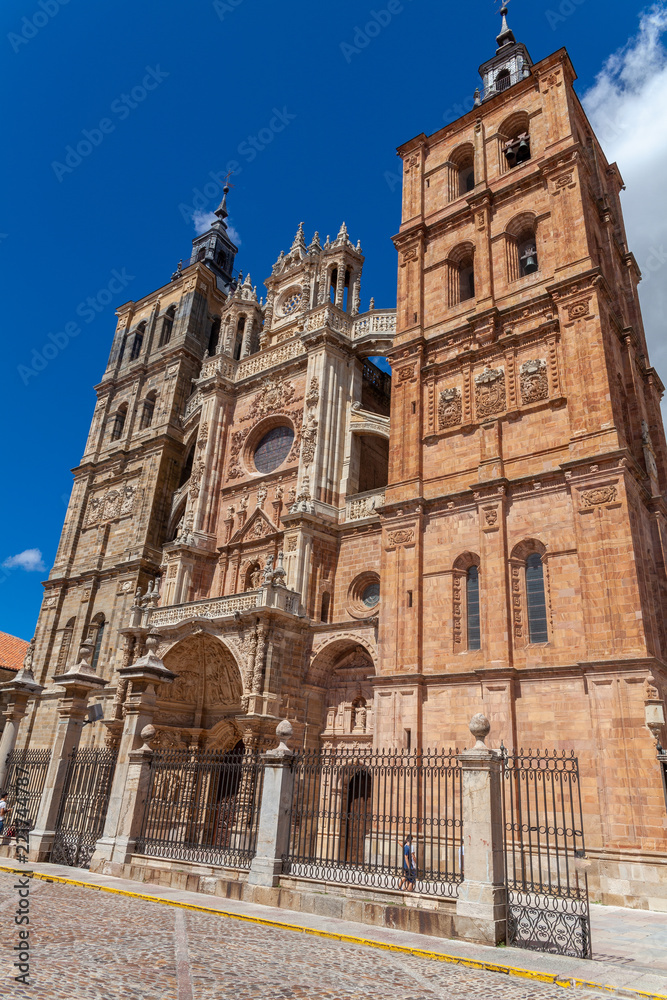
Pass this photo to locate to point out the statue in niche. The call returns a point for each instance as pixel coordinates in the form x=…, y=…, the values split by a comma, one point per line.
x=254, y=577
x=359, y=715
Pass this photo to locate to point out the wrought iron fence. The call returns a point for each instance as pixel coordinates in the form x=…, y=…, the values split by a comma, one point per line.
x=203, y=805
x=352, y=811
x=83, y=806
x=24, y=781
x=547, y=887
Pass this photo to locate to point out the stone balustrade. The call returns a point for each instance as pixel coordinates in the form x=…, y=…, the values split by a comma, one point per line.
x=269, y=595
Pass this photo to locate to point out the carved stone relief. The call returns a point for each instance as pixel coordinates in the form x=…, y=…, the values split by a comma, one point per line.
x=116, y=502
x=601, y=495
x=449, y=408
x=534, y=381
x=490, y=391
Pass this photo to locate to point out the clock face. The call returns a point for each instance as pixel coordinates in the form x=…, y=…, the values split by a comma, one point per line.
x=291, y=301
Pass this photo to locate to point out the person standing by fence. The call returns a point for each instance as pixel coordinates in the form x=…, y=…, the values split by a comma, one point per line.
x=409, y=865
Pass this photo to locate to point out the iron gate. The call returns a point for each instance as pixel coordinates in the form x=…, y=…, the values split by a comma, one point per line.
x=24, y=781
x=83, y=806
x=547, y=887
x=352, y=810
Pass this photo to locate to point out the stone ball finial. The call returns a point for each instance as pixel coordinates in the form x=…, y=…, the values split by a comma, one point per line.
x=148, y=733
x=153, y=640
x=284, y=730
x=479, y=727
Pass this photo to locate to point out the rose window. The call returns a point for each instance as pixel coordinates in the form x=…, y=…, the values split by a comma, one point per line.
x=371, y=595
x=273, y=449
x=291, y=302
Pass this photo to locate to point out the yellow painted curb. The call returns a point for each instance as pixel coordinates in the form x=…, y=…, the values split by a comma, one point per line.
x=469, y=963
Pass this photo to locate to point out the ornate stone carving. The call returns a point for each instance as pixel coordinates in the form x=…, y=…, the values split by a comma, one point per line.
x=207, y=609
x=577, y=309
x=309, y=440
x=262, y=493
x=291, y=543
x=273, y=397
x=517, y=610
x=313, y=394
x=115, y=503
x=457, y=616
x=534, y=381
x=406, y=373
x=238, y=439
x=196, y=478
x=491, y=515
x=490, y=391
x=449, y=408
x=598, y=496
x=50, y=602
x=401, y=537
x=364, y=506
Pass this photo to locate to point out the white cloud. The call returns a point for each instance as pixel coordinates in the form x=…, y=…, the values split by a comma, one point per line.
x=203, y=221
x=29, y=560
x=626, y=107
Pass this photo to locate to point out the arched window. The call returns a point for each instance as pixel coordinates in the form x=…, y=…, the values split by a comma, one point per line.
x=503, y=80
x=238, y=342
x=527, y=251
x=333, y=283
x=462, y=171
x=521, y=237
x=118, y=422
x=138, y=341
x=96, y=635
x=167, y=325
x=466, y=279
x=66, y=642
x=472, y=608
x=214, y=336
x=326, y=602
x=514, y=140
x=535, y=599
x=461, y=274
x=147, y=411
x=466, y=616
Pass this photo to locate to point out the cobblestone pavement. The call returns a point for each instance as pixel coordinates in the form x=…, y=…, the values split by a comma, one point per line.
x=90, y=944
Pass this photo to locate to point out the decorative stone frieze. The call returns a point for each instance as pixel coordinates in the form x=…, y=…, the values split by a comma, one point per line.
x=534, y=381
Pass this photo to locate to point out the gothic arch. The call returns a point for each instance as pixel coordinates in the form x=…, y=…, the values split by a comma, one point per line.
x=208, y=686
x=332, y=651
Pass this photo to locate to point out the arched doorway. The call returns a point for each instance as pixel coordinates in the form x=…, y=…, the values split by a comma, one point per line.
x=357, y=820
x=207, y=689
x=340, y=679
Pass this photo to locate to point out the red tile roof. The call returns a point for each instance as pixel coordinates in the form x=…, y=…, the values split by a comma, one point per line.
x=12, y=651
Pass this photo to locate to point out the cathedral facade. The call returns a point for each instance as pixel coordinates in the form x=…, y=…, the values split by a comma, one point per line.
x=378, y=558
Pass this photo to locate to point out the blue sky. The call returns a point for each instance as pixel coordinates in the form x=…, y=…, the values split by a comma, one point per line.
x=206, y=84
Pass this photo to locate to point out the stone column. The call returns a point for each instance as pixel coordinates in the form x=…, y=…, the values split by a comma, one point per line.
x=17, y=693
x=481, y=903
x=79, y=683
x=130, y=783
x=274, y=818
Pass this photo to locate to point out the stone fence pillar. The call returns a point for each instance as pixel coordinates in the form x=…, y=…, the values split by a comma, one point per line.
x=18, y=693
x=276, y=807
x=481, y=903
x=130, y=782
x=79, y=683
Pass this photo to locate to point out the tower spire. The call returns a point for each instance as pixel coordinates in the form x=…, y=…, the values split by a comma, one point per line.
x=506, y=35
x=221, y=210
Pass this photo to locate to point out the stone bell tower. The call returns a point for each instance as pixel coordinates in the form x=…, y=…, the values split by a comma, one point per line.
x=524, y=530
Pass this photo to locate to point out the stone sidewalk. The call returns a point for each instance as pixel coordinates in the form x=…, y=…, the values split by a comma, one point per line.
x=630, y=945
